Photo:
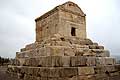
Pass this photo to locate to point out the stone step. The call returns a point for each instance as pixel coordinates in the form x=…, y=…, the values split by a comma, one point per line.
x=63, y=51
x=61, y=61
x=71, y=73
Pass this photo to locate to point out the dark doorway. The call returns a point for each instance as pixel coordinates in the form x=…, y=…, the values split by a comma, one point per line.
x=73, y=31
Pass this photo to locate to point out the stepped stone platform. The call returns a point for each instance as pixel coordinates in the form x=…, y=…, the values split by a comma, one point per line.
x=62, y=51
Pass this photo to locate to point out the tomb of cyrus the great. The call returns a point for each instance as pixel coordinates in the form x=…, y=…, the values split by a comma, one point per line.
x=62, y=50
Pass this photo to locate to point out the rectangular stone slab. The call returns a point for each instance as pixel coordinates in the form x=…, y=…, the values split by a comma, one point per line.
x=85, y=70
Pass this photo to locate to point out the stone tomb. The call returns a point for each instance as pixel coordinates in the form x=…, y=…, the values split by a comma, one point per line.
x=62, y=51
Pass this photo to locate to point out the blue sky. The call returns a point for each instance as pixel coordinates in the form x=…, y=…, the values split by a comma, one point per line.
x=17, y=26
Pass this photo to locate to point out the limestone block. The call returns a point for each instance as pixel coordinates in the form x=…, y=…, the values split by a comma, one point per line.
x=99, y=69
x=44, y=72
x=47, y=61
x=34, y=62
x=100, y=47
x=86, y=77
x=79, y=52
x=69, y=71
x=65, y=61
x=110, y=61
x=85, y=70
x=105, y=61
x=88, y=42
x=110, y=68
x=21, y=61
x=55, y=51
x=77, y=61
x=62, y=43
x=68, y=52
x=88, y=53
x=42, y=51
x=16, y=69
x=91, y=61
x=97, y=50
x=42, y=61
x=106, y=53
x=24, y=70
x=23, y=49
x=30, y=46
x=27, y=62
x=54, y=72
x=29, y=77
x=36, y=71
x=56, y=61
x=102, y=76
x=92, y=46
x=30, y=71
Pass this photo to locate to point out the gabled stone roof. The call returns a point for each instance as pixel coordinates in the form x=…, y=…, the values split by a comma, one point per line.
x=68, y=7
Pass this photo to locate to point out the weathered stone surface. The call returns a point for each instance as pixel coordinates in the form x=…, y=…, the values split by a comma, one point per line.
x=77, y=61
x=55, y=51
x=85, y=70
x=105, y=61
x=91, y=61
x=69, y=51
x=88, y=77
x=56, y=61
x=54, y=72
x=69, y=71
x=65, y=61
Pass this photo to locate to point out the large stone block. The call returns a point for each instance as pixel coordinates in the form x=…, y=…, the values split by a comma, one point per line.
x=30, y=46
x=23, y=49
x=100, y=47
x=86, y=77
x=42, y=61
x=77, y=61
x=105, y=61
x=21, y=61
x=99, y=69
x=69, y=71
x=42, y=51
x=91, y=61
x=92, y=46
x=85, y=70
x=24, y=70
x=56, y=61
x=105, y=53
x=54, y=72
x=68, y=51
x=79, y=52
x=110, y=68
x=44, y=72
x=55, y=51
x=35, y=71
x=65, y=61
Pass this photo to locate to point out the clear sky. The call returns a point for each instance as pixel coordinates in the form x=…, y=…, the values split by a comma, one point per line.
x=17, y=25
